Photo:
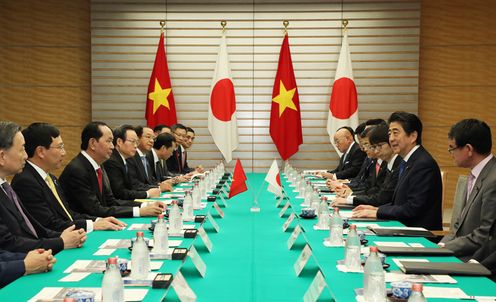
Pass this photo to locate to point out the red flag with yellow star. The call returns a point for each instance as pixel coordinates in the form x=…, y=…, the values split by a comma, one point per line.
x=160, y=107
x=285, y=118
x=238, y=184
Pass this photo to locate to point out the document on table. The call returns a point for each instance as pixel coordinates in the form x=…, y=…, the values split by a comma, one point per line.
x=395, y=276
x=126, y=243
x=59, y=293
x=98, y=266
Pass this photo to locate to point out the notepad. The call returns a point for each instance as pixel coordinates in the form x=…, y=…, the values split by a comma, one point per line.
x=449, y=268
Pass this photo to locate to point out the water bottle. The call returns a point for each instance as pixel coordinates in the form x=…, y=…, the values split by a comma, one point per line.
x=323, y=213
x=374, y=284
x=140, y=258
x=175, y=219
x=188, y=214
x=417, y=295
x=112, y=285
x=336, y=229
x=160, y=236
x=196, y=197
x=352, y=259
x=315, y=200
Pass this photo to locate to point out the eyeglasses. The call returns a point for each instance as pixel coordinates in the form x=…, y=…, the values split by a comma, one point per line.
x=452, y=149
x=377, y=147
x=181, y=135
x=133, y=141
x=60, y=147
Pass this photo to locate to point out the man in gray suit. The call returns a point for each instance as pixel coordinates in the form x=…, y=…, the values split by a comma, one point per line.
x=470, y=146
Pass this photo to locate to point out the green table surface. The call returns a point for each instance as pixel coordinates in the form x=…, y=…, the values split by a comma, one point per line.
x=249, y=261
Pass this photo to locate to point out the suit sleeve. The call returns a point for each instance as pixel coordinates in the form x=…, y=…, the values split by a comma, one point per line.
x=356, y=161
x=11, y=267
x=117, y=182
x=423, y=176
x=468, y=244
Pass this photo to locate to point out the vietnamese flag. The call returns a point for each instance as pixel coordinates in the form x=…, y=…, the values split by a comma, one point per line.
x=160, y=107
x=343, y=107
x=238, y=184
x=285, y=119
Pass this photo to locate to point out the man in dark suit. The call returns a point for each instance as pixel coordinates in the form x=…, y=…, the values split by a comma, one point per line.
x=417, y=197
x=39, y=190
x=19, y=231
x=178, y=162
x=117, y=167
x=86, y=184
x=140, y=169
x=163, y=147
x=352, y=159
x=15, y=265
x=470, y=144
x=379, y=143
x=486, y=254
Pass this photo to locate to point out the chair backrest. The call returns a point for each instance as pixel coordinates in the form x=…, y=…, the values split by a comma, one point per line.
x=459, y=198
x=444, y=177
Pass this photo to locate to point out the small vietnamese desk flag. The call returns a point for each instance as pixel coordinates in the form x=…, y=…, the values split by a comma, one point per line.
x=343, y=107
x=160, y=107
x=274, y=180
x=238, y=184
x=222, y=122
x=285, y=119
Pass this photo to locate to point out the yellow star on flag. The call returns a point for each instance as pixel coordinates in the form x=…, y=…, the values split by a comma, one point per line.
x=159, y=96
x=285, y=99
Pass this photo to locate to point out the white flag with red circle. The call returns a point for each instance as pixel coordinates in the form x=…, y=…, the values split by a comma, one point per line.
x=274, y=179
x=222, y=122
x=343, y=107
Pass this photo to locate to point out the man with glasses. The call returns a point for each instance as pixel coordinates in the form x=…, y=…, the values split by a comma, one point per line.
x=118, y=166
x=86, y=184
x=470, y=144
x=40, y=191
x=352, y=159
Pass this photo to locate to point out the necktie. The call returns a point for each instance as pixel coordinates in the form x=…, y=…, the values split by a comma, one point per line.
x=402, y=168
x=377, y=168
x=179, y=167
x=51, y=185
x=125, y=166
x=183, y=159
x=13, y=197
x=145, y=164
x=158, y=171
x=99, y=173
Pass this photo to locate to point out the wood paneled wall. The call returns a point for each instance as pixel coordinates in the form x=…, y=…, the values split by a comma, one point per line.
x=45, y=65
x=457, y=73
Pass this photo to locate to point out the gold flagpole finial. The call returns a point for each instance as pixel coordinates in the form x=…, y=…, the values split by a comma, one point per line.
x=345, y=24
x=285, y=23
x=162, y=26
x=223, y=23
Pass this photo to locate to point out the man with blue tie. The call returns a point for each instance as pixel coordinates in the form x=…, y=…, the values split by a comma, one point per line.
x=418, y=195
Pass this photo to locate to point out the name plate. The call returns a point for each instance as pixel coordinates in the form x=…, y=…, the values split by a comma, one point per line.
x=204, y=237
x=302, y=259
x=315, y=289
x=213, y=222
x=223, y=191
x=284, y=209
x=182, y=289
x=288, y=222
x=294, y=236
x=223, y=200
x=219, y=210
x=197, y=261
x=278, y=203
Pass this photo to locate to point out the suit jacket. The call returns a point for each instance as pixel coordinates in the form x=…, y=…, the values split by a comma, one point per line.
x=350, y=166
x=418, y=194
x=159, y=171
x=120, y=183
x=472, y=226
x=11, y=267
x=80, y=183
x=385, y=193
x=38, y=198
x=174, y=163
x=486, y=254
x=137, y=173
x=15, y=235
x=360, y=181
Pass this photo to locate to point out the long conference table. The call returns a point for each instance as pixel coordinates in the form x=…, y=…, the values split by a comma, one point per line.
x=249, y=261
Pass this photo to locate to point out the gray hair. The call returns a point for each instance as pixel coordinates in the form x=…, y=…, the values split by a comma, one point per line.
x=8, y=130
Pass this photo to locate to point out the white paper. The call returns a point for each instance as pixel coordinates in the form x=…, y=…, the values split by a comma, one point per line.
x=346, y=214
x=197, y=261
x=74, y=277
x=154, y=265
x=344, y=269
x=204, y=237
x=391, y=243
x=149, y=277
x=396, y=276
x=51, y=293
x=315, y=288
x=328, y=243
x=182, y=289
x=444, y=292
x=414, y=244
x=139, y=227
x=403, y=228
x=103, y=252
x=171, y=195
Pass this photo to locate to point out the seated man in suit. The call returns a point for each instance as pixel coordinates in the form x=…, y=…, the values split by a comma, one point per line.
x=19, y=231
x=417, y=197
x=470, y=146
x=140, y=169
x=86, y=184
x=379, y=142
x=486, y=254
x=118, y=165
x=352, y=159
x=39, y=190
x=178, y=162
x=15, y=265
x=163, y=147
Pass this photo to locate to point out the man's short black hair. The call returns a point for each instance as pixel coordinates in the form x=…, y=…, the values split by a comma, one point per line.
x=91, y=130
x=409, y=122
x=159, y=128
x=360, y=128
x=379, y=134
x=120, y=132
x=164, y=139
x=189, y=129
x=366, y=132
x=375, y=122
x=178, y=126
x=39, y=134
x=474, y=132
